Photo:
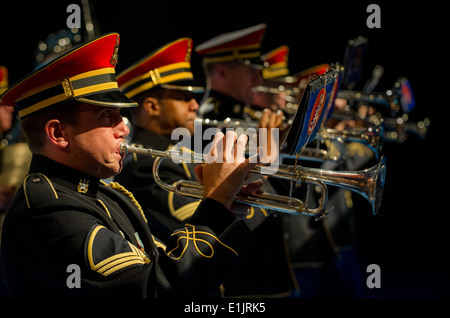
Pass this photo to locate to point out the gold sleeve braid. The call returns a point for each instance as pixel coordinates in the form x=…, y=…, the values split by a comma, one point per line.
x=202, y=241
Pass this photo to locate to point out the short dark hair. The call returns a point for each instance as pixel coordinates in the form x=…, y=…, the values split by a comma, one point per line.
x=33, y=126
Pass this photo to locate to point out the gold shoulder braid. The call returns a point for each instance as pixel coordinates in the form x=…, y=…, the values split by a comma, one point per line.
x=120, y=188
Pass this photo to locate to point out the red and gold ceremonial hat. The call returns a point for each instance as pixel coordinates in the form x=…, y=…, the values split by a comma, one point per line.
x=3, y=79
x=86, y=73
x=241, y=45
x=275, y=62
x=168, y=66
x=314, y=70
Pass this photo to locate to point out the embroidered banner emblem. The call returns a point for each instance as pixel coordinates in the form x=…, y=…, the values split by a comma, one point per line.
x=317, y=110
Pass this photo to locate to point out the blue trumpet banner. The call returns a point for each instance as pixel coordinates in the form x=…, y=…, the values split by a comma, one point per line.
x=310, y=113
x=407, y=97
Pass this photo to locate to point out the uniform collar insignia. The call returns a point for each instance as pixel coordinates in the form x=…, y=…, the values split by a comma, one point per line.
x=83, y=186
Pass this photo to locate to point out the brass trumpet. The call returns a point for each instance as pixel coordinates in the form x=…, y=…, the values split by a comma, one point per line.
x=370, y=136
x=369, y=183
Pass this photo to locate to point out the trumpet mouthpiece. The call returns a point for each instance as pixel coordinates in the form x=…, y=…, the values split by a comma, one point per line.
x=123, y=147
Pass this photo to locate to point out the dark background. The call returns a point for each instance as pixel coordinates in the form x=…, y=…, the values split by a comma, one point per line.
x=409, y=238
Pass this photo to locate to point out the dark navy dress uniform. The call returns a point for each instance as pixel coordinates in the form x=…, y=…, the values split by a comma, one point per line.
x=61, y=217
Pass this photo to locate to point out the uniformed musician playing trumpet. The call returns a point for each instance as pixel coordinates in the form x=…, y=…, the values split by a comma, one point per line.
x=65, y=216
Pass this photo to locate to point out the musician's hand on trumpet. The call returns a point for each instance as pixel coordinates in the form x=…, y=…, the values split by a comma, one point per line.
x=364, y=111
x=225, y=170
x=344, y=124
x=271, y=121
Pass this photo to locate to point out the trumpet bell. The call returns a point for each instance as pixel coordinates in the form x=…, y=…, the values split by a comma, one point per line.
x=375, y=187
x=369, y=182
